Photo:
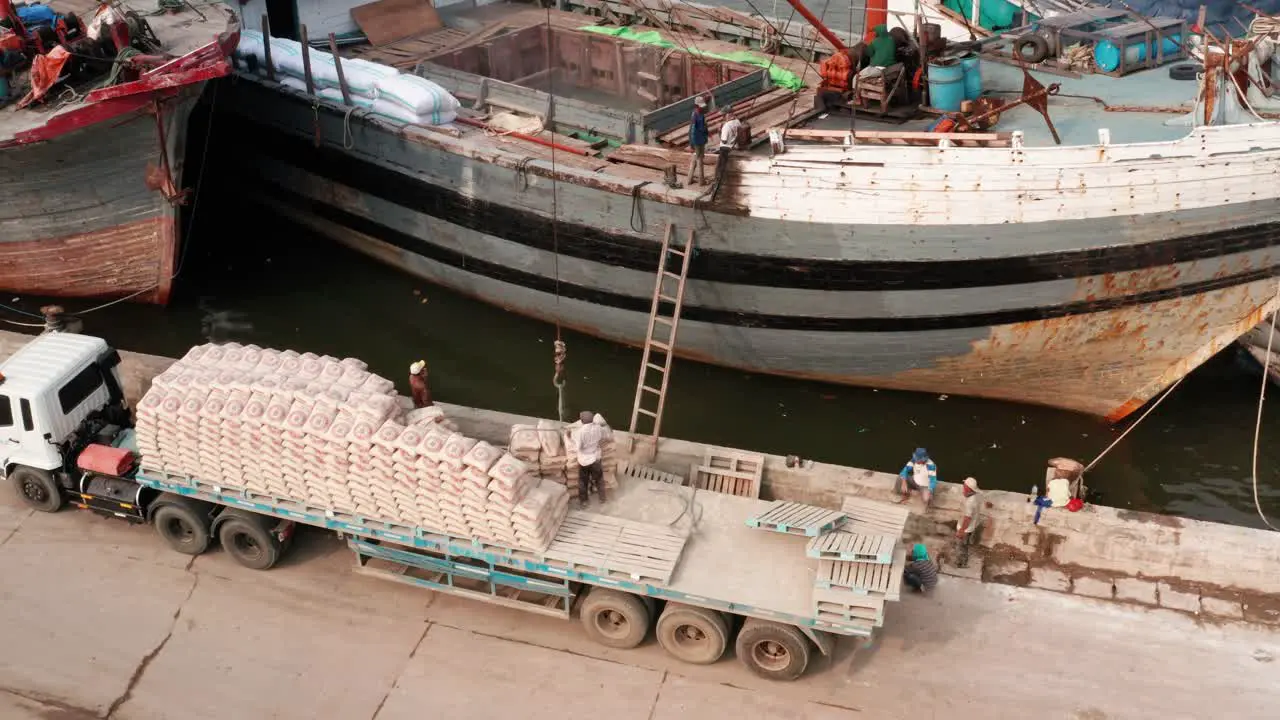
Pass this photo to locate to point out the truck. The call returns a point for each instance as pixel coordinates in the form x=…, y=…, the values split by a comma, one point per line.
x=68, y=439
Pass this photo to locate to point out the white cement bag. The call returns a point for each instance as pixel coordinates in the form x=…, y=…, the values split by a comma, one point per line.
x=418, y=95
x=481, y=457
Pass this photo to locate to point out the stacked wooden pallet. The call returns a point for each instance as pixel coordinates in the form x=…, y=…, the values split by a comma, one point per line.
x=729, y=471
x=774, y=108
x=860, y=565
x=329, y=434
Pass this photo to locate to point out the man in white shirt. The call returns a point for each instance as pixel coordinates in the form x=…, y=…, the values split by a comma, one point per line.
x=593, y=432
x=729, y=130
x=970, y=521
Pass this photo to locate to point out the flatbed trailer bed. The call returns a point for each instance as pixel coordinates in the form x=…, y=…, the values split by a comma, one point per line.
x=722, y=565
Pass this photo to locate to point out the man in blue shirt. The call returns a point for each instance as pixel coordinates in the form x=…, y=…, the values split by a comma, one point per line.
x=698, y=140
x=919, y=474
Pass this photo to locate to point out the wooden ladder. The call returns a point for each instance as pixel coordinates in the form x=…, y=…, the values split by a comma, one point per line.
x=667, y=289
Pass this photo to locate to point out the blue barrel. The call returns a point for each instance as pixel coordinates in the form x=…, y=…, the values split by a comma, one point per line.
x=946, y=85
x=1107, y=55
x=972, y=76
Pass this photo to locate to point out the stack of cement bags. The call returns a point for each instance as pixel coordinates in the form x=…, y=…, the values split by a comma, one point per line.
x=553, y=449
x=330, y=434
x=381, y=89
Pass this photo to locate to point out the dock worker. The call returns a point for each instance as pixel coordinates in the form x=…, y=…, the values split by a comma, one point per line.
x=730, y=132
x=593, y=432
x=921, y=574
x=920, y=474
x=698, y=140
x=418, y=384
x=968, y=528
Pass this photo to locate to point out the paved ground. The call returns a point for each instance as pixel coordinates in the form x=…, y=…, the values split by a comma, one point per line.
x=98, y=619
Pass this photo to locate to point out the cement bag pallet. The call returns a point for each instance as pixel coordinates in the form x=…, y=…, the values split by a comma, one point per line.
x=328, y=433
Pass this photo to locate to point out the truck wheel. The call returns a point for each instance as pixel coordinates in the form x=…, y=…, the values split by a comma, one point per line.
x=249, y=544
x=693, y=634
x=772, y=650
x=37, y=489
x=182, y=528
x=615, y=619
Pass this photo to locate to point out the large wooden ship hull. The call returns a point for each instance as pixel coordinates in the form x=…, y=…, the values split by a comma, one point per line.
x=1088, y=276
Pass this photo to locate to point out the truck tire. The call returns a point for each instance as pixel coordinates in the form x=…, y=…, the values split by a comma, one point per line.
x=182, y=528
x=693, y=634
x=249, y=544
x=772, y=650
x=37, y=488
x=614, y=619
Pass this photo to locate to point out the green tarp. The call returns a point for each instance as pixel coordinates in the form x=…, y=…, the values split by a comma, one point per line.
x=779, y=76
x=992, y=14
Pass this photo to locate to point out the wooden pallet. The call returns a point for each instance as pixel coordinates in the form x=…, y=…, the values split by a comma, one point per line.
x=729, y=471
x=836, y=612
x=613, y=547
x=852, y=546
x=797, y=519
x=874, y=517
x=637, y=471
x=862, y=578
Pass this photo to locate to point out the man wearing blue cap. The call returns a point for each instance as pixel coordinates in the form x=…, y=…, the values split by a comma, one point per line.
x=919, y=474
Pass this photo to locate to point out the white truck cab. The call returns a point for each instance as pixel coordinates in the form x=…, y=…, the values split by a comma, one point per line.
x=49, y=389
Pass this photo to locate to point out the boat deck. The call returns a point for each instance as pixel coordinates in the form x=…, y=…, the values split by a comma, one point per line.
x=180, y=33
x=1083, y=106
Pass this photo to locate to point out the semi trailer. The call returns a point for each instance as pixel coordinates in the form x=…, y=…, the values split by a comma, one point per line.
x=701, y=585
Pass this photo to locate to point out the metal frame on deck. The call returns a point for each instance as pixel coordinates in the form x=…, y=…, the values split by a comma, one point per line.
x=449, y=547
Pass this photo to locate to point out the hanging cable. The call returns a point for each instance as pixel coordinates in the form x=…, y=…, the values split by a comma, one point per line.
x=560, y=352
x=1257, y=427
x=20, y=312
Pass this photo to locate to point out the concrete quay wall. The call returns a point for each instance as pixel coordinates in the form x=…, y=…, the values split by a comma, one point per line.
x=1208, y=569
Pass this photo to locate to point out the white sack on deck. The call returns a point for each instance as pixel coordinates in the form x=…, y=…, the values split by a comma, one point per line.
x=419, y=95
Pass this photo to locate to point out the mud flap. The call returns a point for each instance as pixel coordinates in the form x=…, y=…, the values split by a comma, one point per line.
x=825, y=641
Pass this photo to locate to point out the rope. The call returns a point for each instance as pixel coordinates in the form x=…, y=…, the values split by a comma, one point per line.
x=1257, y=427
x=348, y=140
x=522, y=172
x=10, y=308
x=557, y=380
x=1264, y=26
x=22, y=324
x=636, y=209
x=561, y=353
x=1135, y=424
x=122, y=59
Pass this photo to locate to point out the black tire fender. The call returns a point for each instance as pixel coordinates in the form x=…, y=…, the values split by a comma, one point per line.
x=1031, y=48
x=1184, y=71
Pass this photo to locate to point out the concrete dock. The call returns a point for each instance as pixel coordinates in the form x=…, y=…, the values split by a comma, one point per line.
x=100, y=619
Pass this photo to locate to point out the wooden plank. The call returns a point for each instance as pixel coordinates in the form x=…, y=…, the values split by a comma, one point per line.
x=386, y=21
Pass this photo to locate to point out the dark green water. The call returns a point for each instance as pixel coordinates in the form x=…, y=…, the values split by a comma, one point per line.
x=250, y=277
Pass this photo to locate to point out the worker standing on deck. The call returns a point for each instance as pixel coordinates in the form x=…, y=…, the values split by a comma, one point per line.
x=593, y=432
x=920, y=474
x=730, y=132
x=418, y=384
x=922, y=572
x=698, y=141
x=967, y=529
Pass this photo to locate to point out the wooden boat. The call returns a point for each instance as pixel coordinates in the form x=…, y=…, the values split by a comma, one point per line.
x=90, y=178
x=1087, y=275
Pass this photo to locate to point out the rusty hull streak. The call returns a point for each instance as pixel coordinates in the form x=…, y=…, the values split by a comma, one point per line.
x=112, y=262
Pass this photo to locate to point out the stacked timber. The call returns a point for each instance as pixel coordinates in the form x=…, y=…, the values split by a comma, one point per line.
x=551, y=449
x=328, y=433
x=778, y=107
x=860, y=564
